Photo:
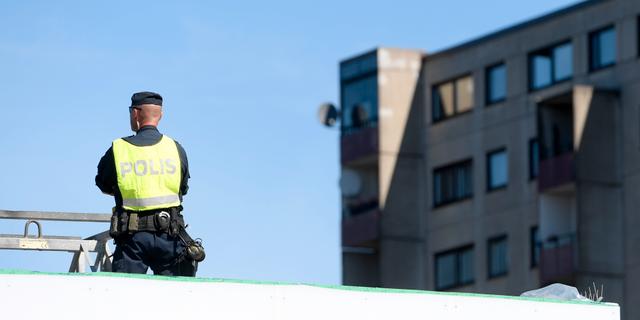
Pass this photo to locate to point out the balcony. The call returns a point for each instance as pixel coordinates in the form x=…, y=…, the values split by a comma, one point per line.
x=359, y=145
x=362, y=230
x=558, y=260
x=555, y=121
x=556, y=171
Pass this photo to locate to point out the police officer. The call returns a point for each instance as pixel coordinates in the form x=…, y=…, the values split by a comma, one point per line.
x=147, y=174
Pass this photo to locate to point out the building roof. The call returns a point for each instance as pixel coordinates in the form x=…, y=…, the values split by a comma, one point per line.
x=517, y=27
x=496, y=34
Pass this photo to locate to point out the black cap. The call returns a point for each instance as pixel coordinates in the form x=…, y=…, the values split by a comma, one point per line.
x=146, y=97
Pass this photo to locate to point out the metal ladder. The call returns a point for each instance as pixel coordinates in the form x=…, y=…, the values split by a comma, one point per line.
x=81, y=248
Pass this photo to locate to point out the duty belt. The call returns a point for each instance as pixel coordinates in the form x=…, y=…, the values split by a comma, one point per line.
x=130, y=222
x=145, y=222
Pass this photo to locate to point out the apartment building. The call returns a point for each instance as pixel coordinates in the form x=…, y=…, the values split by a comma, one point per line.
x=499, y=165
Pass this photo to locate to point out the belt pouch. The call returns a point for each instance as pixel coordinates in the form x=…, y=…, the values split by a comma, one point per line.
x=133, y=222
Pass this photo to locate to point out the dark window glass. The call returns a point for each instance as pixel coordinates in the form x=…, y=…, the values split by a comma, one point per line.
x=452, y=183
x=534, y=158
x=534, y=242
x=360, y=104
x=454, y=268
x=446, y=271
x=496, y=83
x=562, y=62
x=498, y=256
x=497, y=169
x=443, y=101
x=452, y=97
x=541, y=69
x=550, y=65
x=602, y=48
x=465, y=261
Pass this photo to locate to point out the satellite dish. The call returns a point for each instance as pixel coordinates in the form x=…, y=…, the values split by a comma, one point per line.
x=350, y=183
x=328, y=114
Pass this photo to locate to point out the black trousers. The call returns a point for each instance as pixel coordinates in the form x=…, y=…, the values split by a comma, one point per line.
x=137, y=252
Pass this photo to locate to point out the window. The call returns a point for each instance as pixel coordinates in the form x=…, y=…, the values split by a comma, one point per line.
x=534, y=158
x=454, y=268
x=452, y=97
x=602, y=48
x=498, y=256
x=534, y=243
x=360, y=104
x=497, y=169
x=550, y=65
x=452, y=183
x=496, y=83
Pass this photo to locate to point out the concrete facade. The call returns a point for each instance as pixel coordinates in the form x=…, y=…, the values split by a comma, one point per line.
x=584, y=200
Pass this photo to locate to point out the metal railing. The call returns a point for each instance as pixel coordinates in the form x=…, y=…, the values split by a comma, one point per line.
x=558, y=259
x=81, y=248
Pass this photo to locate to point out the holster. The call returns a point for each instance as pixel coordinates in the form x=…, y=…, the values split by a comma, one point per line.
x=176, y=222
x=194, y=249
x=119, y=223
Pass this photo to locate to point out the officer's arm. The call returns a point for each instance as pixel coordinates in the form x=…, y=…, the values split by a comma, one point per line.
x=106, y=177
x=184, y=168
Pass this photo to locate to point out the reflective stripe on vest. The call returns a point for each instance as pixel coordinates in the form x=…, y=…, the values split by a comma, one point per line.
x=148, y=176
x=153, y=201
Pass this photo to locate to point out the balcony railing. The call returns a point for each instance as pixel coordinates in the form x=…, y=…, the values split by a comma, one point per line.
x=358, y=144
x=556, y=171
x=558, y=259
x=362, y=230
x=361, y=206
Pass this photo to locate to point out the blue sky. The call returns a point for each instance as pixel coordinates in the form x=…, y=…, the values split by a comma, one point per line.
x=241, y=82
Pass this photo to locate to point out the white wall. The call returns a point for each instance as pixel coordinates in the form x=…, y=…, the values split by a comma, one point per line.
x=109, y=296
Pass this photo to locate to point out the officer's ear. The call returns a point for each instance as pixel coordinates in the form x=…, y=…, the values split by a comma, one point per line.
x=133, y=119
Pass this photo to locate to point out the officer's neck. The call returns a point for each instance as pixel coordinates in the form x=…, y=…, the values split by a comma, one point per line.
x=147, y=127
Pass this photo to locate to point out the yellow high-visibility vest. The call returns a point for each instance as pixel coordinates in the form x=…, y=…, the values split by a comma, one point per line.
x=148, y=176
